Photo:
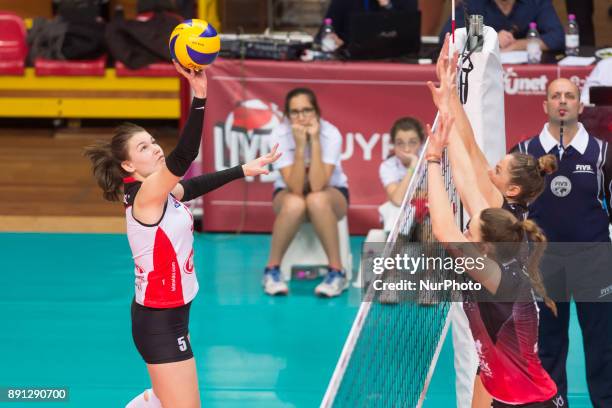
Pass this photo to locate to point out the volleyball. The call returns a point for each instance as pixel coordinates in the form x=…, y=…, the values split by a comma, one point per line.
x=194, y=44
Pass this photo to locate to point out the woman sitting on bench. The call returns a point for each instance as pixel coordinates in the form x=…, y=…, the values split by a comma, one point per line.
x=311, y=186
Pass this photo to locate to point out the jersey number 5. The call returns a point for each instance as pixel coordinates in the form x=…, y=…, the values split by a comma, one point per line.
x=181, y=343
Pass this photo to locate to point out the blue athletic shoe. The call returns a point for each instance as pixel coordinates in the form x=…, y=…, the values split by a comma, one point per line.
x=273, y=282
x=333, y=284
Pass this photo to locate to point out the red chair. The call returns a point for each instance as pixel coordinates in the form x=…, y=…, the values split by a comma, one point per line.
x=45, y=67
x=13, y=45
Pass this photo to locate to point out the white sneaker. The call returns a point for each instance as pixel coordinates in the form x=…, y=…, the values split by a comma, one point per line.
x=273, y=282
x=333, y=284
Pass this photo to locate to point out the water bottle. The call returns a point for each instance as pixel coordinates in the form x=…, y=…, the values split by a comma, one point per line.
x=572, y=38
x=534, y=52
x=328, y=43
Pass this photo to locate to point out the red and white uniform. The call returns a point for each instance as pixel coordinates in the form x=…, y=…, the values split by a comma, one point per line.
x=162, y=253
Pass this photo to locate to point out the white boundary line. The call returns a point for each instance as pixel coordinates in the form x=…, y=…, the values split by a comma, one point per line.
x=434, y=359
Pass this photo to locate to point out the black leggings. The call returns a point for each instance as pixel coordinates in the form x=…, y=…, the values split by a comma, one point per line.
x=160, y=335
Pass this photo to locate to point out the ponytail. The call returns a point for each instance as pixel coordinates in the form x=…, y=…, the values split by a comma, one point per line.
x=535, y=234
x=499, y=225
x=106, y=170
x=529, y=173
x=106, y=158
x=547, y=164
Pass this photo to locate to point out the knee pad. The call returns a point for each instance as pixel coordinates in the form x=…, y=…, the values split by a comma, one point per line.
x=140, y=402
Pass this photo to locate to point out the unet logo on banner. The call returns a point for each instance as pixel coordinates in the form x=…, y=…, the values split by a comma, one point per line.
x=514, y=84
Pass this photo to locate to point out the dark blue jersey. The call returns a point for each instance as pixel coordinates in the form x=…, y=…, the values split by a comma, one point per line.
x=575, y=204
x=505, y=330
x=520, y=211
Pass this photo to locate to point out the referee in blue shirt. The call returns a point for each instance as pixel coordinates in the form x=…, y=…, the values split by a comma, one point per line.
x=511, y=18
x=575, y=208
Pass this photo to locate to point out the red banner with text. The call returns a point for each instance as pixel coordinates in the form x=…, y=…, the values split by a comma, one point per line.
x=361, y=99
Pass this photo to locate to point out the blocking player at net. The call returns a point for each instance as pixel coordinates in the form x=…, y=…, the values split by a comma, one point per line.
x=516, y=180
x=504, y=318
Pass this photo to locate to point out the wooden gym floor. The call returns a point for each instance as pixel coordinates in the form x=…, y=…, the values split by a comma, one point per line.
x=46, y=184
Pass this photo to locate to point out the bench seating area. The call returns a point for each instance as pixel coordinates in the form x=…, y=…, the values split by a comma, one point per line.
x=80, y=89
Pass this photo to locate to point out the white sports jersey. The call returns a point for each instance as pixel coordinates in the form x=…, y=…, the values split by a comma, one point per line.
x=331, y=151
x=392, y=170
x=163, y=254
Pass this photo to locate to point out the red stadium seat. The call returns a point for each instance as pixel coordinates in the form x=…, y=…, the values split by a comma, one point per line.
x=158, y=69
x=45, y=67
x=13, y=45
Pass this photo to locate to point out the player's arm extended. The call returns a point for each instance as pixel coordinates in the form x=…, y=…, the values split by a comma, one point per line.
x=443, y=223
x=473, y=156
x=195, y=187
x=447, y=98
x=463, y=171
x=149, y=203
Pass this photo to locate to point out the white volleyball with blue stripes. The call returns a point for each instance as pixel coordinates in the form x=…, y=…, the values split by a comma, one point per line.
x=194, y=44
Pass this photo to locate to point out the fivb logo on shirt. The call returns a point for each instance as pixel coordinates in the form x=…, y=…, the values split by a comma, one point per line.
x=584, y=168
x=561, y=186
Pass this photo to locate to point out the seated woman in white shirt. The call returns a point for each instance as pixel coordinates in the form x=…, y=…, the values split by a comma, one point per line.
x=311, y=186
x=407, y=137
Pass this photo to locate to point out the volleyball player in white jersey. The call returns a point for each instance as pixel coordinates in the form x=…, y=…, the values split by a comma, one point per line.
x=160, y=234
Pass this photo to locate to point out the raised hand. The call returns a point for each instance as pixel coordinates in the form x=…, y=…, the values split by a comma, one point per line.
x=442, y=62
x=197, y=80
x=446, y=70
x=259, y=166
x=439, y=140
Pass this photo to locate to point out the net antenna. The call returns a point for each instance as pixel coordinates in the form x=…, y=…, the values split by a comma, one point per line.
x=474, y=42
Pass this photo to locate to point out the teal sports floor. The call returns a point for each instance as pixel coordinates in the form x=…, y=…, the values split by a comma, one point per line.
x=64, y=309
